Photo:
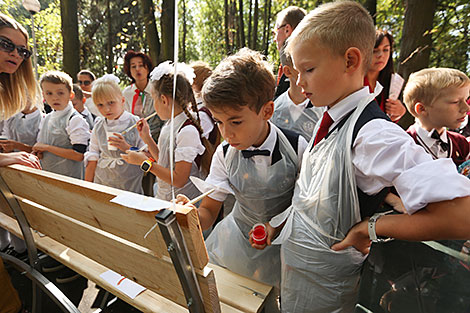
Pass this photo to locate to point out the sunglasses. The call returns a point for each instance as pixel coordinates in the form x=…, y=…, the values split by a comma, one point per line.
x=8, y=46
x=84, y=82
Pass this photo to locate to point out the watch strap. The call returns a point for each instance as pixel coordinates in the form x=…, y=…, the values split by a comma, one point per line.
x=371, y=227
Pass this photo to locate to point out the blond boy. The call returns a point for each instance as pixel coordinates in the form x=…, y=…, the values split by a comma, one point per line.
x=63, y=136
x=437, y=98
x=356, y=154
x=292, y=110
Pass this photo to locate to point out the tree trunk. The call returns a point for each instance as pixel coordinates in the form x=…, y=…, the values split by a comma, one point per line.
x=371, y=6
x=71, y=43
x=267, y=22
x=183, y=39
x=167, y=24
x=109, y=42
x=226, y=30
x=416, y=40
x=151, y=33
x=241, y=24
x=255, y=26
x=250, y=18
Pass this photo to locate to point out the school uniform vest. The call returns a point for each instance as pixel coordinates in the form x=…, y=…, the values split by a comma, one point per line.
x=460, y=148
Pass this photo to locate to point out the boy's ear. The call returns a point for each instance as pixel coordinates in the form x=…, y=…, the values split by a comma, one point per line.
x=289, y=29
x=83, y=100
x=267, y=110
x=420, y=108
x=286, y=69
x=353, y=57
x=72, y=95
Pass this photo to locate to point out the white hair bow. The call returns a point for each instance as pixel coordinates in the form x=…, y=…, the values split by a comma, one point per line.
x=108, y=78
x=167, y=67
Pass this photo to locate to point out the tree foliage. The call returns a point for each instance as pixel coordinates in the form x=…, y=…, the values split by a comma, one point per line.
x=108, y=29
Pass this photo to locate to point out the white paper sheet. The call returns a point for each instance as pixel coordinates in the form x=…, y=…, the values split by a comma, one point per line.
x=396, y=85
x=123, y=284
x=139, y=202
x=204, y=186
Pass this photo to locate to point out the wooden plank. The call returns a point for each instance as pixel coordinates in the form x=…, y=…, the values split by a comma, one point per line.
x=147, y=301
x=130, y=260
x=240, y=292
x=89, y=203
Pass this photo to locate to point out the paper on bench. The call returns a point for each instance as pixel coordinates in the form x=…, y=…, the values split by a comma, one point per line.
x=124, y=285
x=139, y=202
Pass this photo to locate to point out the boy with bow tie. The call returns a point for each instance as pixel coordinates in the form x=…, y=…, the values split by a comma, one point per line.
x=437, y=98
x=257, y=161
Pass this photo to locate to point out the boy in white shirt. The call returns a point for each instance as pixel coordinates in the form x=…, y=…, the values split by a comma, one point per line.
x=292, y=110
x=78, y=102
x=357, y=153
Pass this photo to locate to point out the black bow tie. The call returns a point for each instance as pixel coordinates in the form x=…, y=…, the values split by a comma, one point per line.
x=250, y=153
x=444, y=145
x=309, y=105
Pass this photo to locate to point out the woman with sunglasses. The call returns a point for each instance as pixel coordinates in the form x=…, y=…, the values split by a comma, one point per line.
x=16, y=83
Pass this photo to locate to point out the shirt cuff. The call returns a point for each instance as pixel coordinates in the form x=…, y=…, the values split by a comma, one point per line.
x=90, y=156
x=430, y=182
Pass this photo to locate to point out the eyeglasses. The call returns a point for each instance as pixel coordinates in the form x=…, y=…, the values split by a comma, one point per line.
x=84, y=82
x=8, y=46
x=278, y=28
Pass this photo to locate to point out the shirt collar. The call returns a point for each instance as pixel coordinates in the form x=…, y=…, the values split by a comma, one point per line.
x=270, y=141
x=67, y=109
x=343, y=107
x=426, y=136
x=125, y=116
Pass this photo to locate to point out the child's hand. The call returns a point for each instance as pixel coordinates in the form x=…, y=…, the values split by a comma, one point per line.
x=271, y=232
x=22, y=158
x=143, y=129
x=118, y=141
x=39, y=148
x=357, y=237
x=8, y=145
x=395, y=109
x=183, y=200
x=134, y=157
x=395, y=202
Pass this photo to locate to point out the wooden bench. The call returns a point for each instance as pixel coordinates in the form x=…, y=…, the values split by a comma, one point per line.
x=79, y=227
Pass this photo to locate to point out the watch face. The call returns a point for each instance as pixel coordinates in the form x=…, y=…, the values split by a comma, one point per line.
x=145, y=166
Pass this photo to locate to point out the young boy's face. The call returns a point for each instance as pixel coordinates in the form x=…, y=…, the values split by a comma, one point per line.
x=56, y=95
x=112, y=109
x=449, y=109
x=243, y=127
x=322, y=74
x=78, y=104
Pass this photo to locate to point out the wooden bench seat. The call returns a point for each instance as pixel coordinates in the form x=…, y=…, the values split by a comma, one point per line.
x=86, y=232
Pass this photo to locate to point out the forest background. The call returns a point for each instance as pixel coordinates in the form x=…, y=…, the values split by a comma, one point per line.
x=95, y=34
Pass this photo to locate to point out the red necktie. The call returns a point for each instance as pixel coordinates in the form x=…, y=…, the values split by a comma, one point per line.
x=135, y=98
x=324, y=126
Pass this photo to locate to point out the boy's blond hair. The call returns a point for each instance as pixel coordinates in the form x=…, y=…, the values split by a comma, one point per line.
x=242, y=79
x=57, y=77
x=202, y=71
x=425, y=86
x=105, y=89
x=338, y=26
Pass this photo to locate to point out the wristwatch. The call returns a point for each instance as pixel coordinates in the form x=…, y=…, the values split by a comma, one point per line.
x=371, y=227
x=146, y=165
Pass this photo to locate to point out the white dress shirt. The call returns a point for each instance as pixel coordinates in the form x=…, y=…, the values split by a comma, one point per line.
x=218, y=175
x=384, y=155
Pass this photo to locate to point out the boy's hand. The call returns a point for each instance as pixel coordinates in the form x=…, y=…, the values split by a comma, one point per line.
x=40, y=147
x=118, y=141
x=357, y=237
x=271, y=232
x=395, y=109
x=134, y=157
x=143, y=129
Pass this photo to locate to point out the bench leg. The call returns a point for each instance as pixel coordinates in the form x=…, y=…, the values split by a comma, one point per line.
x=176, y=246
x=41, y=283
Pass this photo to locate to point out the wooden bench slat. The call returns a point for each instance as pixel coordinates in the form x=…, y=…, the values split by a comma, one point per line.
x=228, y=283
x=89, y=203
x=125, y=258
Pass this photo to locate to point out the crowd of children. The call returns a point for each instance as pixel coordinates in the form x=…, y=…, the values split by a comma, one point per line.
x=314, y=166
